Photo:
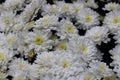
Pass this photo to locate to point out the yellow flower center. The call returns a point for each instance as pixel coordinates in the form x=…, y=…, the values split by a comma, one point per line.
x=116, y=20
x=10, y=40
x=77, y=9
x=69, y=29
x=21, y=66
x=88, y=19
x=113, y=77
x=31, y=54
x=18, y=26
x=53, y=9
x=48, y=58
x=64, y=64
x=30, y=24
x=1, y=56
x=6, y=21
x=62, y=47
x=102, y=67
x=83, y=48
x=96, y=36
x=18, y=78
x=38, y=40
x=106, y=78
x=45, y=20
x=87, y=77
x=66, y=8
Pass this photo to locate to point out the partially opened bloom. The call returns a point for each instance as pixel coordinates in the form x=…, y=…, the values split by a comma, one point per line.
x=47, y=22
x=98, y=34
x=111, y=6
x=91, y=3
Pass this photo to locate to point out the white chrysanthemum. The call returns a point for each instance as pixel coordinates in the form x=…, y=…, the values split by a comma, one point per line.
x=18, y=65
x=13, y=4
x=66, y=29
x=111, y=6
x=67, y=65
x=45, y=62
x=100, y=69
x=5, y=56
x=35, y=71
x=116, y=55
x=38, y=40
x=46, y=59
x=98, y=34
x=112, y=21
x=91, y=3
x=8, y=40
x=77, y=7
x=19, y=68
x=65, y=8
x=50, y=9
x=18, y=27
x=61, y=45
x=6, y=20
x=47, y=22
x=82, y=46
x=87, y=18
x=117, y=36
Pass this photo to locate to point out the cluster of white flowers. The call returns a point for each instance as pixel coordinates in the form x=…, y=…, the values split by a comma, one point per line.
x=41, y=41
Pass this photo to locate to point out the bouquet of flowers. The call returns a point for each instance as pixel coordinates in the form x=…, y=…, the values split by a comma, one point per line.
x=59, y=40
